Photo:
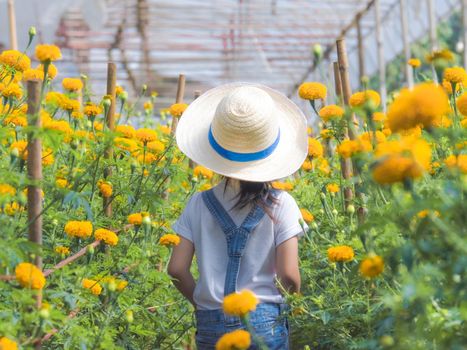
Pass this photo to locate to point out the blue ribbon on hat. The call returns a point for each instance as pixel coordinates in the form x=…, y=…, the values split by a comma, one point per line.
x=242, y=157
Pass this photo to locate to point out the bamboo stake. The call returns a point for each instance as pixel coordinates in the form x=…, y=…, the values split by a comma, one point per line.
x=361, y=49
x=405, y=40
x=381, y=60
x=345, y=79
x=345, y=163
x=179, y=99
x=433, y=36
x=12, y=18
x=110, y=121
x=34, y=166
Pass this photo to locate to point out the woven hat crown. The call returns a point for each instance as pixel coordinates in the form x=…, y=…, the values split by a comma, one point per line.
x=245, y=120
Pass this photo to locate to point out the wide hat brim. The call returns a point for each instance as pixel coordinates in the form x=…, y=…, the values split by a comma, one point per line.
x=292, y=149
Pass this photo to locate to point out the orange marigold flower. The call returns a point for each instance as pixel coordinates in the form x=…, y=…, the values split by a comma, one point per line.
x=105, y=188
x=33, y=74
x=7, y=190
x=92, y=285
x=312, y=91
x=169, y=240
x=414, y=62
x=332, y=188
x=29, y=276
x=48, y=53
x=126, y=130
x=236, y=340
x=315, y=149
x=72, y=84
x=62, y=250
x=358, y=99
x=177, y=109
x=16, y=120
x=146, y=135
x=11, y=91
x=22, y=147
x=240, y=304
x=8, y=344
x=285, y=186
x=202, y=171
x=107, y=236
x=341, y=253
x=52, y=71
x=372, y=266
x=92, y=110
x=306, y=215
x=80, y=229
x=156, y=146
x=15, y=59
x=455, y=75
x=135, y=219
x=461, y=103
x=331, y=112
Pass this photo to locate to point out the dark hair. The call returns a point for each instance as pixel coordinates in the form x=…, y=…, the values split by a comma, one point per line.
x=254, y=193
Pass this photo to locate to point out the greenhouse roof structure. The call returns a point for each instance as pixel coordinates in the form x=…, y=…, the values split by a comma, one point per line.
x=217, y=41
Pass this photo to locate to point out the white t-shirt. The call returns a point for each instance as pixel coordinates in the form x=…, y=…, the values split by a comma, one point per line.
x=257, y=266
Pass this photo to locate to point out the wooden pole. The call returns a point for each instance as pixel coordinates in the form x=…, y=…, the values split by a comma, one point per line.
x=12, y=18
x=110, y=121
x=345, y=163
x=381, y=60
x=464, y=29
x=345, y=78
x=179, y=99
x=34, y=166
x=361, y=49
x=405, y=40
x=433, y=36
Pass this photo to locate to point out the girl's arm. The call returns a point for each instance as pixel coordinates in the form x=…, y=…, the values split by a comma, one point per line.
x=179, y=268
x=287, y=265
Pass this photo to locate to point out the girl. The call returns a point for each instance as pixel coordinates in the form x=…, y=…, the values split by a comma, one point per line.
x=244, y=233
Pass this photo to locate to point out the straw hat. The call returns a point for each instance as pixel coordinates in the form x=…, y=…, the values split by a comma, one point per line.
x=244, y=131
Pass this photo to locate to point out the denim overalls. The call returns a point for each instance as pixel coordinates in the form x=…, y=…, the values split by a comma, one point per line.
x=268, y=319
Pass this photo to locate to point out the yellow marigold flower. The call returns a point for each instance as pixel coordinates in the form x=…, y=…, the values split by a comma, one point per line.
x=202, y=171
x=92, y=110
x=7, y=344
x=80, y=229
x=126, y=130
x=107, y=236
x=15, y=59
x=307, y=165
x=440, y=55
x=11, y=91
x=312, y=91
x=240, y=304
x=414, y=62
x=349, y=148
x=33, y=74
x=285, y=186
x=61, y=182
x=455, y=75
x=424, y=213
x=315, y=149
x=119, y=90
x=126, y=144
x=402, y=159
x=11, y=209
x=322, y=165
x=332, y=188
x=16, y=120
x=135, y=219
x=164, y=129
x=105, y=188
x=379, y=117
x=7, y=190
x=68, y=104
x=331, y=112
x=422, y=105
x=369, y=135
x=306, y=215
x=169, y=240
x=461, y=103
x=442, y=121
x=62, y=250
x=47, y=157
x=61, y=126
x=52, y=71
x=147, y=158
x=177, y=109
x=48, y=53
x=236, y=340
x=53, y=97
x=372, y=266
x=146, y=135
x=148, y=106
x=22, y=147
x=205, y=187
x=326, y=134
x=72, y=84
x=342, y=253
x=92, y=285
x=358, y=99
x=459, y=162
x=156, y=146
x=29, y=276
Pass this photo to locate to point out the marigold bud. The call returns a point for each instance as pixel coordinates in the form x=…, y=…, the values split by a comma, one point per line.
x=112, y=286
x=32, y=31
x=129, y=316
x=90, y=249
x=44, y=313
x=350, y=209
x=147, y=220
x=335, y=212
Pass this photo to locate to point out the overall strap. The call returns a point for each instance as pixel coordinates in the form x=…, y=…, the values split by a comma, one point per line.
x=236, y=236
